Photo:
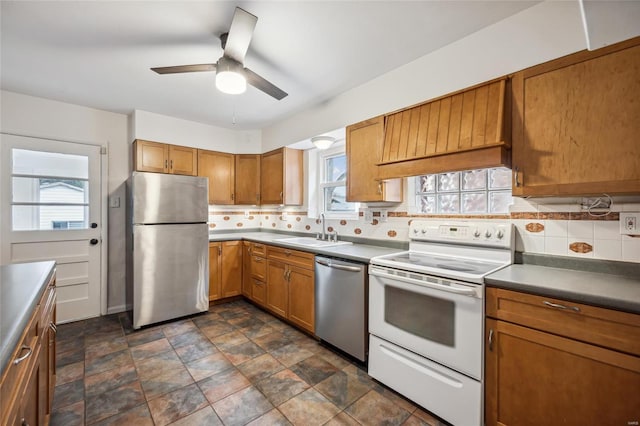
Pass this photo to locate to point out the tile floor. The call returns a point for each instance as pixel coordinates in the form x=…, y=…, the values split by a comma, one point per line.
x=235, y=365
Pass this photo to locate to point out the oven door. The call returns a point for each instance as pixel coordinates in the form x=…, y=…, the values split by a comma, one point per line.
x=439, y=319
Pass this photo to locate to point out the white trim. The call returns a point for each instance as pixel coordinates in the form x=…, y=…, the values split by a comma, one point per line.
x=104, y=234
x=337, y=149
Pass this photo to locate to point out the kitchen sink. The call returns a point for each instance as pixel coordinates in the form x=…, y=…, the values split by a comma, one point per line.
x=311, y=242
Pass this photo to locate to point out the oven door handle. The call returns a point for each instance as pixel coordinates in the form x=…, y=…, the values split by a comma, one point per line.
x=461, y=291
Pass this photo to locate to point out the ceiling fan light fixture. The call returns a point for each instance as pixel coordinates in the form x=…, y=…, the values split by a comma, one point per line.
x=230, y=77
x=322, y=142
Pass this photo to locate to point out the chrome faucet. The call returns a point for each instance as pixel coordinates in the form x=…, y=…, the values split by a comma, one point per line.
x=324, y=229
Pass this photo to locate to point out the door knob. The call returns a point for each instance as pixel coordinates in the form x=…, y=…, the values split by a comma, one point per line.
x=94, y=225
x=93, y=241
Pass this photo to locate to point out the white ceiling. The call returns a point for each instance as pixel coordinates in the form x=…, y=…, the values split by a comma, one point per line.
x=98, y=53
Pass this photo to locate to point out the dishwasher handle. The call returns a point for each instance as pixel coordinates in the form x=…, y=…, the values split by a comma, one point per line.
x=328, y=263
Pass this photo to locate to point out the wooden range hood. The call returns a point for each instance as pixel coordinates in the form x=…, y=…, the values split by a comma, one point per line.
x=464, y=130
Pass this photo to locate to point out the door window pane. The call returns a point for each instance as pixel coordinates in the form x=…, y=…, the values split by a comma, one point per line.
x=49, y=190
x=40, y=163
x=43, y=217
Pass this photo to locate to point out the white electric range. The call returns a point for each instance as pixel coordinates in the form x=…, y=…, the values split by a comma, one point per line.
x=426, y=314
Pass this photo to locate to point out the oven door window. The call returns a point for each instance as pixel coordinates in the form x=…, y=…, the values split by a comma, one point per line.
x=425, y=316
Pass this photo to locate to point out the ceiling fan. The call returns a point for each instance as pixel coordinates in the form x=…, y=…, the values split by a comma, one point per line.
x=231, y=75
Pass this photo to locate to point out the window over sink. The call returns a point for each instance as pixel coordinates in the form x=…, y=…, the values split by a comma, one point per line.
x=332, y=188
x=469, y=192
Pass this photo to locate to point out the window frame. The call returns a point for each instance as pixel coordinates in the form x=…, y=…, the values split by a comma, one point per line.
x=323, y=183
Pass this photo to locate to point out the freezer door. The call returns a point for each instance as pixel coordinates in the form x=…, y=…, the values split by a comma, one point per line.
x=160, y=198
x=170, y=272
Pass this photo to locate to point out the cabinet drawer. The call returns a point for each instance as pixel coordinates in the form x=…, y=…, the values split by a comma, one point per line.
x=604, y=327
x=258, y=249
x=258, y=267
x=14, y=379
x=292, y=257
x=258, y=291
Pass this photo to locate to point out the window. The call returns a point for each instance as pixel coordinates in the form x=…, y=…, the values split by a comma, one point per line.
x=333, y=184
x=483, y=191
x=49, y=190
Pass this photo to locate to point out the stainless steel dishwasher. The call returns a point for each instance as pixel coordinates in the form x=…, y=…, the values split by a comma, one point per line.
x=341, y=305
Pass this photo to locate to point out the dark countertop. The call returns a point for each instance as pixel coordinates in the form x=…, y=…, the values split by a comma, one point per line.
x=21, y=287
x=593, y=288
x=356, y=252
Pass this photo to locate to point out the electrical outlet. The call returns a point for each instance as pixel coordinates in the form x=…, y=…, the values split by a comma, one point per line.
x=629, y=223
x=368, y=215
x=383, y=215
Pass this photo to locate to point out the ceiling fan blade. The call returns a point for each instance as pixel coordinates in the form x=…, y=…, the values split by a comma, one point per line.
x=260, y=83
x=240, y=34
x=185, y=68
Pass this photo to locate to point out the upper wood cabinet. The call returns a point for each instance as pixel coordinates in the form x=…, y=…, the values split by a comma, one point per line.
x=163, y=158
x=576, y=122
x=219, y=168
x=281, y=179
x=463, y=130
x=247, y=180
x=364, y=151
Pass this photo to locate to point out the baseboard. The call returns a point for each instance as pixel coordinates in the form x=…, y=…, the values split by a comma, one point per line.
x=117, y=309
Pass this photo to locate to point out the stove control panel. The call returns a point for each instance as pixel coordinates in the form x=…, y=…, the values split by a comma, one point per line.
x=498, y=234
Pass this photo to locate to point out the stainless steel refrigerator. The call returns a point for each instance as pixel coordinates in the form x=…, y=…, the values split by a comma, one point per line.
x=168, y=244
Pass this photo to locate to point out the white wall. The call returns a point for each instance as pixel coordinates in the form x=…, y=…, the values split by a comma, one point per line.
x=535, y=35
x=162, y=128
x=44, y=118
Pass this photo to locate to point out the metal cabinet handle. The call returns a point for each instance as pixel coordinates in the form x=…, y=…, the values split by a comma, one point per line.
x=25, y=356
x=166, y=164
x=280, y=195
x=23, y=422
x=289, y=275
x=233, y=196
x=53, y=327
x=257, y=259
x=258, y=198
x=379, y=187
x=516, y=178
x=171, y=165
x=559, y=306
x=287, y=252
x=491, y=340
x=219, y=250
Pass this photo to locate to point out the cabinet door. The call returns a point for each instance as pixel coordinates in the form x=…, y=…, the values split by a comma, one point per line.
x=231, y=281
x=302, y=298
x=246, y=269
x=277, y=288
x=536, y=378
x=183, y=160
x=259, y=291
x=247, y=179
x=281, y=179
x=272, y=177
x=219, y=168
x=30, y=412
x=151, y=156
x=576, y=126
x=215, y=269
x=364, y=151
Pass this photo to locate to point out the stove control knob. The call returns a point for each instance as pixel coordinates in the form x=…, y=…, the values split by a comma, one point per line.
x=415, y=231
x=487, y=233
x=476, y=233
x=424, y=231
x=500, y=234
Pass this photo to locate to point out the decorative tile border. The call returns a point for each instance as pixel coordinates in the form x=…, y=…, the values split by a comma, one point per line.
x=563, y=216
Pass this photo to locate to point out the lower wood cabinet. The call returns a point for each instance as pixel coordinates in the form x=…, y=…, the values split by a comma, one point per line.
x=225, y=269
x=26, y=390
x=549, y=363
x=291, y=286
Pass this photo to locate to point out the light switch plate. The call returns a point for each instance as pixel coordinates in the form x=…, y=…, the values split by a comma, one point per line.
x=629, y=223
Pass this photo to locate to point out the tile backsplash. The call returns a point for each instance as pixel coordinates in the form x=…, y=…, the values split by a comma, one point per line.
x=541, y=227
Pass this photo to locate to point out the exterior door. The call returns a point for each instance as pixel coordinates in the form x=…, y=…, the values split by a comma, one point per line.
x=51, y=210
